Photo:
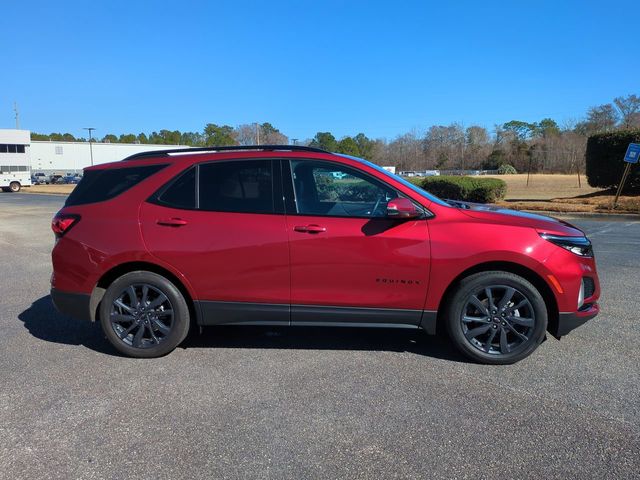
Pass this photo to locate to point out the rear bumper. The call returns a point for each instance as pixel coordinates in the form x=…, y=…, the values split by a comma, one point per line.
x=570, y=321
x=75, y=305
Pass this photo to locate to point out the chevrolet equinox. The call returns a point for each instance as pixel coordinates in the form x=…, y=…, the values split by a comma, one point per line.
x=289, y=235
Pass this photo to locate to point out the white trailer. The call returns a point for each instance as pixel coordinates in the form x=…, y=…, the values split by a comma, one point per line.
x=15, y=161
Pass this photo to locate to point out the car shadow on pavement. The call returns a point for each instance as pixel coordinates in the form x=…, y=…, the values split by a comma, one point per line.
x=325, y=338
x=43, y=321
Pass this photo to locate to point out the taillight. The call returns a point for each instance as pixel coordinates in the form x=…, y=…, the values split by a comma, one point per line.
x=63, y=222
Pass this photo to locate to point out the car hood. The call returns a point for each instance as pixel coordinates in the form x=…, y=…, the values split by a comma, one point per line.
x=506, y=216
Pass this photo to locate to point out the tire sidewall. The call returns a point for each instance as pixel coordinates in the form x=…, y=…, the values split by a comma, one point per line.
x=179, y=330
x=14, y=187
x=472, y=284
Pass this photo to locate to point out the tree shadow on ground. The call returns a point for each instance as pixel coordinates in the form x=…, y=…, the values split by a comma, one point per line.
x=43, y=321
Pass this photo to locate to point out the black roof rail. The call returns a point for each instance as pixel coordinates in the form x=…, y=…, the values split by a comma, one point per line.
x=226, y=148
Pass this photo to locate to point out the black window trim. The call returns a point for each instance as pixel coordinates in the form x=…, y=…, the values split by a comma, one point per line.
x=291, y=202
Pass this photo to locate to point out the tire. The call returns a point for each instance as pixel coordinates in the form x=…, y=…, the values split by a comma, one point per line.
x=14, y=187
x=504, y=334
x=163, y=324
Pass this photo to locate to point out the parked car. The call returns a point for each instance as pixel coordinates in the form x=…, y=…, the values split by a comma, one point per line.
x=71, y=179
x=56, y=179
x=39, y=178
x=161, y=241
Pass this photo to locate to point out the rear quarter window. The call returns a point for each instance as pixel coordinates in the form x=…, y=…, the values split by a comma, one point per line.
x=101, y=185
x=180, y=193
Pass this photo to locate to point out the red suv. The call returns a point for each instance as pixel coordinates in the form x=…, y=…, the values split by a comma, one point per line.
x=286, y=235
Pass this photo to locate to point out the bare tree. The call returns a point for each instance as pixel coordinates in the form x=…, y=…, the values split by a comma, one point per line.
x=478, y=146
x=245, y=134
x=602, y=118
x=629, y=108
x=444, y=146
x=270, y=135
x=406, y=152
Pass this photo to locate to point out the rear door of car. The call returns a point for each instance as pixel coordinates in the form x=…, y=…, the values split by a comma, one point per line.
x=222, y=225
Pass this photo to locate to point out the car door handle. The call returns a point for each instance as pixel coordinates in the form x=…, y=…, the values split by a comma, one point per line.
x=310, y=228
x=172, y=222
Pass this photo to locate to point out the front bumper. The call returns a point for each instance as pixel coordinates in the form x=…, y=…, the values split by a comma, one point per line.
x=570, y=321
x=76, y=305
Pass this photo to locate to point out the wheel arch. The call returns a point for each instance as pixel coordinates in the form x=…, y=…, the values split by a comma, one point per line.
x=110, y=275
x=511, y=267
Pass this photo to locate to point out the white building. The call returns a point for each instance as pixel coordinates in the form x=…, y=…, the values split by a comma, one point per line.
x=74, y=156
x=63, y=157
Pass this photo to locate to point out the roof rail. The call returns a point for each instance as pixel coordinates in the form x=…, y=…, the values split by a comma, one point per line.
x=226, y=148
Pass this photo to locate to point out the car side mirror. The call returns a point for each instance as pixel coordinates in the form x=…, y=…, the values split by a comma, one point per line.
x=401, y=208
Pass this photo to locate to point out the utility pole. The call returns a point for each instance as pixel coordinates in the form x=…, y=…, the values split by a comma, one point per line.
x=257, y=134
x=295, y=141
x=90, y=142
x=15, y=109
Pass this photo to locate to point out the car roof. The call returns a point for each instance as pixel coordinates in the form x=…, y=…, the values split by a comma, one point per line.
x=223, y=149
x=189, y=155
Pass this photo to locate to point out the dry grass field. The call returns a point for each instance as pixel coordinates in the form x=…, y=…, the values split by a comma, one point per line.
x=561, y=193
x=545, y=192
x=544, y=186
x=50, y=189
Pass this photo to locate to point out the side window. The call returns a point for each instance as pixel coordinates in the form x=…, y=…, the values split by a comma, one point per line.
x=182, y=192
x=323, y=188
x=244, y=186
x=104, y=184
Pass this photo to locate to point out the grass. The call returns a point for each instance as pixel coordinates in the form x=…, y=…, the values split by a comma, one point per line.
x=544, y=186
x=55, y=189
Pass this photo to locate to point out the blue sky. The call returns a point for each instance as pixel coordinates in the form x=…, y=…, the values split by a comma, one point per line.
x=382, y=68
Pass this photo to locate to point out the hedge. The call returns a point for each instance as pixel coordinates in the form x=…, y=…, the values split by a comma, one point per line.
x=506, y=169
x=468, y=189
x=605, y=154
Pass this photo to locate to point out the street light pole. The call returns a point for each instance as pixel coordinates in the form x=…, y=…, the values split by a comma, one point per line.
x=90, y=142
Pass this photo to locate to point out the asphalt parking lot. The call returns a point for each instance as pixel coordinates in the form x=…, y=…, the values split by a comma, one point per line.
x=310, y=403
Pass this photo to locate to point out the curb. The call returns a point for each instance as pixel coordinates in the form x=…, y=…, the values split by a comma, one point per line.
x=60, y=194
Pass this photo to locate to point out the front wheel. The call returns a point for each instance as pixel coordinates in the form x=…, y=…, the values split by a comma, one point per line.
x=144, y=315
x=14, y=187
x=496, y=317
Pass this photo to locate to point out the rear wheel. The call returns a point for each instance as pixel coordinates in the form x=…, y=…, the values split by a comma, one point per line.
x=144, y=315
x=14, y=187
x=496, y=317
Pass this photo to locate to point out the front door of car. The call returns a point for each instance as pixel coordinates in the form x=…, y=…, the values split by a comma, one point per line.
x=222, y=225
x=349, y=261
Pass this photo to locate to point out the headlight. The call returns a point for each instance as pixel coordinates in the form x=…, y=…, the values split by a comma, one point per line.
x=579, y=245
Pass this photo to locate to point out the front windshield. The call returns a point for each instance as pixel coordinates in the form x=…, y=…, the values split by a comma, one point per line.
x=398, y=178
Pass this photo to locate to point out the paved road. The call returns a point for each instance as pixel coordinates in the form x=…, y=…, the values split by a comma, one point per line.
x=310, y=403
